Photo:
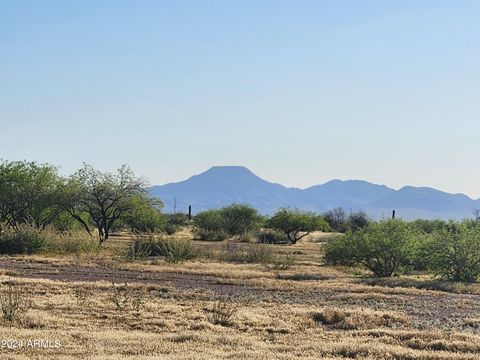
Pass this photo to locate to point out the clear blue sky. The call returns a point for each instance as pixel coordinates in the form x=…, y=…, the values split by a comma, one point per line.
x=298, y=91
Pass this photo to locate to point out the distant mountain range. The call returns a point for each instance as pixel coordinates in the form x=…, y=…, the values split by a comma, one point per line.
x=224, y=185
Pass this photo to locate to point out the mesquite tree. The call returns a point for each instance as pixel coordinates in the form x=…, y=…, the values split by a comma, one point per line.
x=103, y=196
x=29, y=193
x=296, y=224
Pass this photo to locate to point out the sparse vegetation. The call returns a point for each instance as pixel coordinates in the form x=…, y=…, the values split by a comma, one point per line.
x=298, y=305
x=223, y=312
x=173, y=251
x=14, y=302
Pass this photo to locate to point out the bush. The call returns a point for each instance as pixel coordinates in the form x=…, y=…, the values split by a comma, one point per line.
x=223, y=312
x=455, y=252
x=384, y=248
x=140, y=248
x=238, y=219
x=25, y=239
x=174, y=251
x=209, y=225
x=14, y=302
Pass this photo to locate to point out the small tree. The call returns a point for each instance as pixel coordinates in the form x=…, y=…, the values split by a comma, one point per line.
x=296, y=224
x=239, y=219
x=105, y=197
x=384, y=247
x=455, y=252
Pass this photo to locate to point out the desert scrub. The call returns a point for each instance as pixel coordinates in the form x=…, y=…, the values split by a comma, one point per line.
x=14, y=302
x=223, y=312
x=25, y=239
x=455, y=252
x=385, y=248
x=209, y=225
x=174, y=251
x=140, y=248
x=70, y=243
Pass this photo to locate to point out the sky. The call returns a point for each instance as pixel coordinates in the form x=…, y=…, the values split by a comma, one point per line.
x=300, y=92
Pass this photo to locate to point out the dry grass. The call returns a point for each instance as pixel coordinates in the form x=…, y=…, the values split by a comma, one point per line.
x=206, y=309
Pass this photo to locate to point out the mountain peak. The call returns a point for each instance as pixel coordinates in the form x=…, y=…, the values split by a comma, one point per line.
x=229, y=169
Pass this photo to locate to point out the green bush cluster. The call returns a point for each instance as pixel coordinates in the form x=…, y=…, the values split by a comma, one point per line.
x=233, y=220
x=451, y=250
x=285, y=226
x=24, y=239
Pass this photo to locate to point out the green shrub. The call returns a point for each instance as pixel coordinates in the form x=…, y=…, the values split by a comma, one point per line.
x=209, y=225
x=25, y=239
x=455, y=252
x=239, y=219
x=385, y=248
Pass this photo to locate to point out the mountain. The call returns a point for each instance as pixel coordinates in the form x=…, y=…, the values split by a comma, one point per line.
x=224, y=185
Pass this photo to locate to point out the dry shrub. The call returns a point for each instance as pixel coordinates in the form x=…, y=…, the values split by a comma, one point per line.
x=81, y=295
x=71, y=243
x=223, y=312
x=14, y=302
x=357, y=319
x=120, y=296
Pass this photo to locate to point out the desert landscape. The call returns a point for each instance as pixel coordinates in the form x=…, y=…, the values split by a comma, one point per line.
x=241, y=179
x=284, y=303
